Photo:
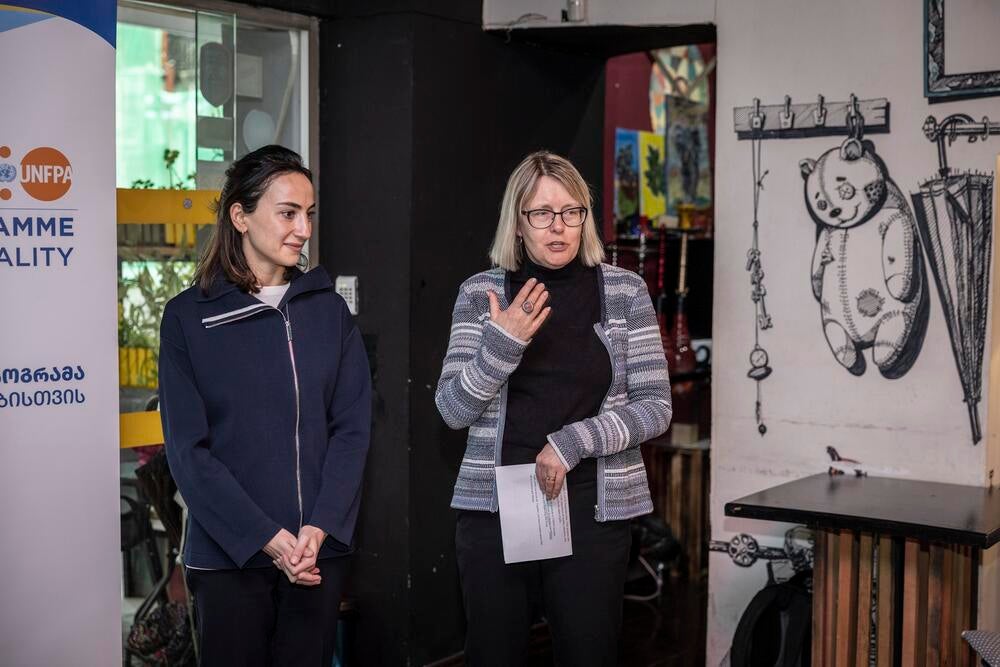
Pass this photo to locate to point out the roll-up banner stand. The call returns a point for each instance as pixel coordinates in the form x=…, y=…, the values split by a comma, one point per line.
x=60, y=572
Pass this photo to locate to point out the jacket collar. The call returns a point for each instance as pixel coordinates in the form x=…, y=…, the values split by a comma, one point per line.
x=301, y=282
x=226, y=303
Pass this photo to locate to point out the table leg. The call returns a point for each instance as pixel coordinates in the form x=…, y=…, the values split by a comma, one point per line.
x=911, y=601
x=886, y=618
x=820, y=594
x=947, y=606
x=935, y=595
x=830, y=601
x=866, y=556
x=847, y=597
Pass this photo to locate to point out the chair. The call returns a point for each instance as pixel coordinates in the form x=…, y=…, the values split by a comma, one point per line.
x=155, y=483
x=137, y=531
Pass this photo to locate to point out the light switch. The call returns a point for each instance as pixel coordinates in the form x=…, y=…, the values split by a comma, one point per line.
x=347, y=287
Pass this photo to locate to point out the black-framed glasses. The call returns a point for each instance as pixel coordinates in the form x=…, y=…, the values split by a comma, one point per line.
x=540, y=218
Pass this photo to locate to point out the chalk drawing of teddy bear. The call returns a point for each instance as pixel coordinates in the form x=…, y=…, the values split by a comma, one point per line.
x=867, y=271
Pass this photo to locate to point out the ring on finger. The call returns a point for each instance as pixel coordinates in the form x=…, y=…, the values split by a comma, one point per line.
x=527, y=307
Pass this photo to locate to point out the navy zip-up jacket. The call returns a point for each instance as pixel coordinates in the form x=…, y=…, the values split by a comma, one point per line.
x=266, y=417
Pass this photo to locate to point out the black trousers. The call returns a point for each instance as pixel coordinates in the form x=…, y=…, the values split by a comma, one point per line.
x=257, y=618
x=581, y=595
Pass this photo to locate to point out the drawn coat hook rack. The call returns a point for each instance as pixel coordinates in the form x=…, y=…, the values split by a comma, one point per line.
x=816, y=119
x=951, y=128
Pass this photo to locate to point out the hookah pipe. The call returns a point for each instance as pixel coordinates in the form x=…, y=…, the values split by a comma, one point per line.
x=683, y=358
x=661, y=299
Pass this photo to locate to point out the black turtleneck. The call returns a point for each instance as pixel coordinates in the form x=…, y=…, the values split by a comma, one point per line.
x=565, y=372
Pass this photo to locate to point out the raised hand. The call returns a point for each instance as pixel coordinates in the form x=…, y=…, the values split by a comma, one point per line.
x=527, y=312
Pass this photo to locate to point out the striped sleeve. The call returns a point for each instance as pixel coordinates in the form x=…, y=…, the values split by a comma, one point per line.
x=480, y=358
x=645, y=413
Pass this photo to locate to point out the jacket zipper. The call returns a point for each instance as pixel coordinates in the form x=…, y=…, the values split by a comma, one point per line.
x=252, y=311
x=295, y=378
x=498, y=448
x=502, y=409
x=599, y=508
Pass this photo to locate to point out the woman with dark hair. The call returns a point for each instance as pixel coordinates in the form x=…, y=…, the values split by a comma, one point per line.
x=265, y=400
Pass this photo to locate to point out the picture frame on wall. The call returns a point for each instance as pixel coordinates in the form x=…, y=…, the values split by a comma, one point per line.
x=951, y=71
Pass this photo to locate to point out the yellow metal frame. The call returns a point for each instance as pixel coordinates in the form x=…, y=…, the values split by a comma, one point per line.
x=138, y=429
x=166, y=207
x=180, y=210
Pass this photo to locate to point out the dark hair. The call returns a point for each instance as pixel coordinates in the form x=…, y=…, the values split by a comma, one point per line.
x=246, y=181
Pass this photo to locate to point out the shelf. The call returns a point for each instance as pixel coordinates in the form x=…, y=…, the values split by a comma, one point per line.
x=700, y=373
x=672, y=234
x=703, y=445
x=142, y=252
x=143, y=207
x=138, y=429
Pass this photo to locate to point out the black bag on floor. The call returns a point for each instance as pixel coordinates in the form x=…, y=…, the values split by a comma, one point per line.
x=775, y=630
x=163, y=637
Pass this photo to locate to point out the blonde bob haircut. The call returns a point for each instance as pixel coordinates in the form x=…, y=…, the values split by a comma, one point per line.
x=506, y=252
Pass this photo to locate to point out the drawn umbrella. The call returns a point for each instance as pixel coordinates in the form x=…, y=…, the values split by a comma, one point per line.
x=954, y=215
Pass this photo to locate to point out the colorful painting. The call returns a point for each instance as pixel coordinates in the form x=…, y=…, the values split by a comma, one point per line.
x=626, y=203
x=652, y=176
x=689, y=172
x=679, y=97
x=678, y=71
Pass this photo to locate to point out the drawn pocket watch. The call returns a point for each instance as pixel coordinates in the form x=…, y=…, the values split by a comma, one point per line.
x=758, y=364
x=759, y=369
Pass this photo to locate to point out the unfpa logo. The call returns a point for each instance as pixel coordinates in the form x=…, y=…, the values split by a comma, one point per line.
x=45, y=174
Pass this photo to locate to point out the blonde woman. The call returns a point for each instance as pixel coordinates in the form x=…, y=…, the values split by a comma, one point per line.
x=555, y=360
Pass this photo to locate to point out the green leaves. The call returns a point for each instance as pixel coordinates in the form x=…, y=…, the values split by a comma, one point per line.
x=656, y=172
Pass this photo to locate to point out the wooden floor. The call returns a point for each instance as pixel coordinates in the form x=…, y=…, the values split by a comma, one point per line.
x=670, y=633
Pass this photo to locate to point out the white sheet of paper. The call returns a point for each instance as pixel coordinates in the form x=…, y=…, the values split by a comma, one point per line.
x=532, y=527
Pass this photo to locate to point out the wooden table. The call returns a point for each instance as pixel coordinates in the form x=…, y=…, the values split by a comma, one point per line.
x=915, y=544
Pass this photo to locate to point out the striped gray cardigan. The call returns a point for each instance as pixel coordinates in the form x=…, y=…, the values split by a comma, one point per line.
x=472, y=392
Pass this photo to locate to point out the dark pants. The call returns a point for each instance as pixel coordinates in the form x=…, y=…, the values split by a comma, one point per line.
x=580, y=595
x=257, y=618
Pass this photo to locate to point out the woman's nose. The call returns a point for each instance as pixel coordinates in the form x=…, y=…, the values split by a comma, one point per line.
x=303, y=226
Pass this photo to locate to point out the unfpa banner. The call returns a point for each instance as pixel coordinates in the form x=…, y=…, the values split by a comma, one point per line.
x=58, y=358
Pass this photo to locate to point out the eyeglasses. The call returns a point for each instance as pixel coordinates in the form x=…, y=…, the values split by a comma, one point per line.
x=540, y=218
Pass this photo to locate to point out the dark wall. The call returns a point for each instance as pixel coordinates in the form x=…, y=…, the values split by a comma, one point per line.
x=480, y=105
x=365, y=107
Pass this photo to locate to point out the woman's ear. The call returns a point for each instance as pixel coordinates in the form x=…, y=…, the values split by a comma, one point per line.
x=238, y=217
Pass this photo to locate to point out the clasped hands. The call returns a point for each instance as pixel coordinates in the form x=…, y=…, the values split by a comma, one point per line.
x=296, y=557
